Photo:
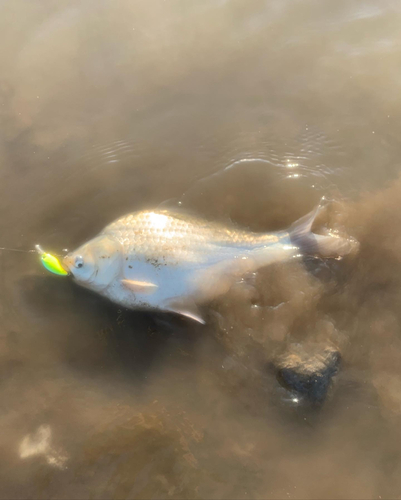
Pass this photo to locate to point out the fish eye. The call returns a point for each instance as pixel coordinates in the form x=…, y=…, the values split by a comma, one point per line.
x=79, y=261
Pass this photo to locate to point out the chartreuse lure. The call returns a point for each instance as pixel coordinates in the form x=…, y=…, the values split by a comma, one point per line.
x=50, y=262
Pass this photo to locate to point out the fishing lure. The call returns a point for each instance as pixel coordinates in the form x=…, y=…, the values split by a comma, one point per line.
x=50, y=262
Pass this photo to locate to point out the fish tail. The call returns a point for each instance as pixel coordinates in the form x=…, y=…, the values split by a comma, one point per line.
x=309, y=243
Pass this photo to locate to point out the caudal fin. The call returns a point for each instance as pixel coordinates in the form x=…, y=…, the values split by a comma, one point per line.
x=309, y=243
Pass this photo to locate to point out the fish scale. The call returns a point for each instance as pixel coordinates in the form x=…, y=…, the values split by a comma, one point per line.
x=154, y=231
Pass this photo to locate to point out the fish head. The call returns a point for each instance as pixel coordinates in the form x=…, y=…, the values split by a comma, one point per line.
x=96, y=263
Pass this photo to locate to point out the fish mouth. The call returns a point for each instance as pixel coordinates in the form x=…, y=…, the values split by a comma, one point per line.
x=67, y=264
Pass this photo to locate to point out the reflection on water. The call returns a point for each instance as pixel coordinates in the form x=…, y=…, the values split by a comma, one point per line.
x=240, y=111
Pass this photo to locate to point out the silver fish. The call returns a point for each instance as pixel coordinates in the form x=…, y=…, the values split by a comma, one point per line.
x=164, y=261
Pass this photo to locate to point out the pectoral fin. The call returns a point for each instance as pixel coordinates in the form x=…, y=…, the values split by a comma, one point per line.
x=185, y=307
x=139, y=286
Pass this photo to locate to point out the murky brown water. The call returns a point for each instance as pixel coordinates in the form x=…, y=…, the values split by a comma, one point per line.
x=243, y=110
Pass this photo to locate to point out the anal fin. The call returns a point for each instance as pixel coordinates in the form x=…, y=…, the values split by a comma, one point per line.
x=185, y=307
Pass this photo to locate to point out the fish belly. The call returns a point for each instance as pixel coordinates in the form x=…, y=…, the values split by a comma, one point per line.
x=186, y=281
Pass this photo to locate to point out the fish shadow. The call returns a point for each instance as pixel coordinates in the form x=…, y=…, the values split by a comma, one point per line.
x=94, y=336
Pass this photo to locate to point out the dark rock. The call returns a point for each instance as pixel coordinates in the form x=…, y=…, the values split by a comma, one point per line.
x=308, y=370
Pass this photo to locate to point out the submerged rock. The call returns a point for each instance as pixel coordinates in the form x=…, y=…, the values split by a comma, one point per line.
x=308, y=370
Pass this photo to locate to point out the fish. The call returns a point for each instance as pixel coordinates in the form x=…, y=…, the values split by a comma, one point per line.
x=166, y=261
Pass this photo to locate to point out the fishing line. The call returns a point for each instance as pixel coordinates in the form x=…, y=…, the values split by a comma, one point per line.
x=37, y=249
x=17, y=250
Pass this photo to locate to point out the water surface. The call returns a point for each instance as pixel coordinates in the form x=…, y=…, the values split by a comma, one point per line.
x=241, y=111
